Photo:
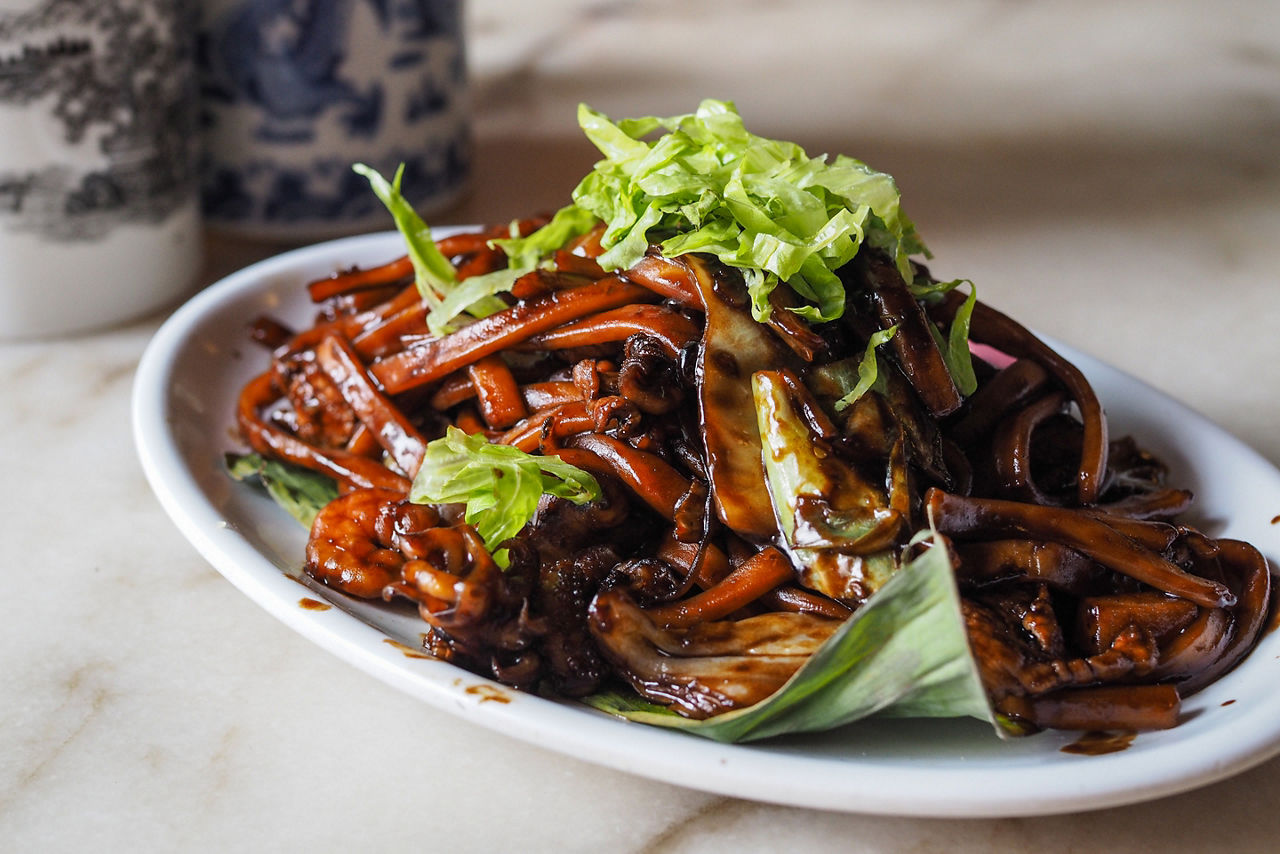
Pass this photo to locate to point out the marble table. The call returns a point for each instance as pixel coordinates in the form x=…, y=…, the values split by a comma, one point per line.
x=1105, y=172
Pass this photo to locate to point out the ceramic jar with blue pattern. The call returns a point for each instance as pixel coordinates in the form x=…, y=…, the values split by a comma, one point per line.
x=293, y=92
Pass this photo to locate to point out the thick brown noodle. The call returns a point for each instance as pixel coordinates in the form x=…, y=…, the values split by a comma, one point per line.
x=1088, y=606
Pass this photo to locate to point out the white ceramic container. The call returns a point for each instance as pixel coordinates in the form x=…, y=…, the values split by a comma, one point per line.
x=99, y=217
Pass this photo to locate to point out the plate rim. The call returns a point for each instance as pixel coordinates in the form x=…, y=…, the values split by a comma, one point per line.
x=747, y=771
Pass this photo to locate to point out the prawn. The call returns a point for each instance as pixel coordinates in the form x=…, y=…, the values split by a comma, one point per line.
x=360, y=541
x=478, y=614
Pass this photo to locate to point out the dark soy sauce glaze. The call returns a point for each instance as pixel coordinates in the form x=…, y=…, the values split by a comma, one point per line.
x=406, y=651
x=488, y=693
x=1273, y=616
x=1099, y=743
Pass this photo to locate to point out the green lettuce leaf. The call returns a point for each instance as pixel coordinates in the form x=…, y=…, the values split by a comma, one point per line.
x=500, y=484
x=761, y=205
x=476, y=295
x=955, y=347
x=300, y=491
x=903, y=653
x=955, y=350
x=868, y=369
x=526, y=253
x=435, y=277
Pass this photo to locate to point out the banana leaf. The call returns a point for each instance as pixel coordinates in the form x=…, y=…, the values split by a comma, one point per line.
x=903, y=653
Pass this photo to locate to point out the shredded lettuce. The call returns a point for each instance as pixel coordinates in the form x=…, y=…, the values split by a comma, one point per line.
x=707, y=184
x=526, y=253
x=435, y=277
x=500, y=484
x=955, y=350
x=476, y=295
x=761, y=205
x=868, y=369
x=955, y=347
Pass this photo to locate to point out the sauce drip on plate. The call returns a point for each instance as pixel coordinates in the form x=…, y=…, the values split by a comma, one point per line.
x=1098, y=743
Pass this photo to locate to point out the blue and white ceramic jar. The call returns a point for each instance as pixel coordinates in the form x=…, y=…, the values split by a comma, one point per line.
x=293, y=92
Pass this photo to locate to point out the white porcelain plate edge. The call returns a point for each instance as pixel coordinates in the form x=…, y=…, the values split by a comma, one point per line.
x=184, y=394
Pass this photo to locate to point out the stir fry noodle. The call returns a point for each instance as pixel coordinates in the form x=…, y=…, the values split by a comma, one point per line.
x=672, y=473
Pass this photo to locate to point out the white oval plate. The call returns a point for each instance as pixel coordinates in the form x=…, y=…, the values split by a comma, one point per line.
x=184, y=399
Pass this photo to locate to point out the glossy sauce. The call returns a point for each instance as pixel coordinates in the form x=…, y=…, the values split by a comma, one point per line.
x=488, y=692
x=1099, y=743
x=407, y=651
x=309, y=604
x=734, y=346
x=1273, y=615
